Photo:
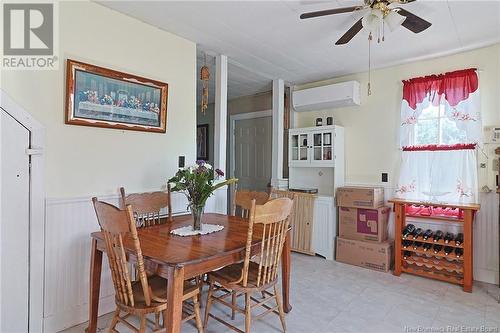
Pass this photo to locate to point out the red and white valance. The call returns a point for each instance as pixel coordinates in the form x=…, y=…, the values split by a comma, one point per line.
x=456, y=93
x=440, y=128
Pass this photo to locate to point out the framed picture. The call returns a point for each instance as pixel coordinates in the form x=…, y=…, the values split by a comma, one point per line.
x=101, y=97
x=202, y=142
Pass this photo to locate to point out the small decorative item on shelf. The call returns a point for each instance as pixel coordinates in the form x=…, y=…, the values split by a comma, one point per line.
x=329, y=120
x=198, y=183
x=319, y=121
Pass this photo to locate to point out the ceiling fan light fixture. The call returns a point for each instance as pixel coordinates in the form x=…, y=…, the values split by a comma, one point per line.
x=371, y=20
x=394, y=20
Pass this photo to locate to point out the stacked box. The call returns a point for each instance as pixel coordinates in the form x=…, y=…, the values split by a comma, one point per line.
x=363, y=220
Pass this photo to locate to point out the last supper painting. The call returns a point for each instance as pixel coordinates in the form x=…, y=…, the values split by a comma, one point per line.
x=103, y=97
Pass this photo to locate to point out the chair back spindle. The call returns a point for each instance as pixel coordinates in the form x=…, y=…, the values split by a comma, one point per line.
x=147, y=207
x=242, y=202
x=117, y=224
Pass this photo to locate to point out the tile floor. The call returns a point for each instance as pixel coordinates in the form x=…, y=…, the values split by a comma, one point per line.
x=332, y=297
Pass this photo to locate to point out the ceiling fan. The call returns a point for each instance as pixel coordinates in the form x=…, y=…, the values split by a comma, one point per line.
x=381, y=12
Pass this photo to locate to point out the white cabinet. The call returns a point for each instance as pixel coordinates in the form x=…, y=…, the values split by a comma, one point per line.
x=324, y=227
x=312, y=146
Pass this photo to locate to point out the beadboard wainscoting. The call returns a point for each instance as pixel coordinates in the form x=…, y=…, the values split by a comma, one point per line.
x=68, y=224
x=486, y=239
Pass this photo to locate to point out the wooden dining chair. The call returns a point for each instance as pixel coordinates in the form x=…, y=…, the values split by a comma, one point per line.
x=249, y=277
x=147, y=294
x=242, y=202
x=147, y=207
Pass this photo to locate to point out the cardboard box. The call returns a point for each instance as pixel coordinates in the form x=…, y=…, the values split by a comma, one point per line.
x=360, y=197
x=372, y=255
x=364, y=224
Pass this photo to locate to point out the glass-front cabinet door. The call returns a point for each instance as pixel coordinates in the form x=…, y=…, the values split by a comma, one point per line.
x=312, y=147
x=323, y=147
x=299, y=148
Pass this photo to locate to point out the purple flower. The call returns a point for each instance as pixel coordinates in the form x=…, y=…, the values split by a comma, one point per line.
x=200, y=162
x=201, y=169
x=219, y=172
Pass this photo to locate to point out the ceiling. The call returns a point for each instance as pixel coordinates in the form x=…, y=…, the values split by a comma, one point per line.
x=266, y=39
x=241, y=81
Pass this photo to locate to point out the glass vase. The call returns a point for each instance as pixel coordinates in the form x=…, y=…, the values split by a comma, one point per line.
x=197, y=212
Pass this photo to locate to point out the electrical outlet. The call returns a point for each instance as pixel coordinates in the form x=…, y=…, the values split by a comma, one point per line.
x=385, y=177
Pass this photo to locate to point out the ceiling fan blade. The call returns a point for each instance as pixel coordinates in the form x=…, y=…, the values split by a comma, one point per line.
x=331, y=12
x=350, y=33
x=413, y=22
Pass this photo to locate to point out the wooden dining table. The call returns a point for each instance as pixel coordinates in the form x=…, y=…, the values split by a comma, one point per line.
x=179, y=258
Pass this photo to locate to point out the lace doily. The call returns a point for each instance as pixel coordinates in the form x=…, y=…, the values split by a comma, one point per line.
x=205, y=229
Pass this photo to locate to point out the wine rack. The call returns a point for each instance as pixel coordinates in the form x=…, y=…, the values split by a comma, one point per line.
x=440, y=266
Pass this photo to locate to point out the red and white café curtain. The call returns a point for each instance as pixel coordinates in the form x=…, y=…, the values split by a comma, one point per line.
x=440, y=129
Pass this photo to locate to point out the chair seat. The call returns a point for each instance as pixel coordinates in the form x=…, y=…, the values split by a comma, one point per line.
x=158, y=286
x=228, y=275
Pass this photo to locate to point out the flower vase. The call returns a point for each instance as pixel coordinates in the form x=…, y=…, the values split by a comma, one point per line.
x=197, y=212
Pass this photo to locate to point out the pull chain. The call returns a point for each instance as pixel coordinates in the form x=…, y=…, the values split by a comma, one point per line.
x=383, y=30
x=370, y=37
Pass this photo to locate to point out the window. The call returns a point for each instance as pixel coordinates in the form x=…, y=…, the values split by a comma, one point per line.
x=435, y=127
x=440, y=128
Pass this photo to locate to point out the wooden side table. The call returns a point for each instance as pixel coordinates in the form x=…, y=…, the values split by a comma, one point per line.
x=440, y=266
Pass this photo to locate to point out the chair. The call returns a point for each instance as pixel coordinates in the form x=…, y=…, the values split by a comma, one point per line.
x=146, y=295
x=148, y=207
x=249, y=277
x=241, y=206
x=242, y=201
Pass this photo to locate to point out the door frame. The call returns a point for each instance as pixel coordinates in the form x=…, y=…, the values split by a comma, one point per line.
x=37, y=209
x=232, y=124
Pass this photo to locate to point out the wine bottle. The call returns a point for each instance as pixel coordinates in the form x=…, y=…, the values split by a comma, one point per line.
x=448, y=250
x=459, y=252
x=408, y=230
x=437, y=248
x=438, y=235
x=406, y=255
x=417, y=233
x=448, y=237
x=407, y=243
x=427, y=234
x=459, y=239
x=427, y=246
x=416, y=245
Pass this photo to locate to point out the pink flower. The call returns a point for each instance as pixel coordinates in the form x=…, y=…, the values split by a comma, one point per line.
x=219, y=172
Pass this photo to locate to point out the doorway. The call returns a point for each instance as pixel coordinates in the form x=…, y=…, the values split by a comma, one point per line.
x=22, y=213
x=14, y=229
x=251, y=149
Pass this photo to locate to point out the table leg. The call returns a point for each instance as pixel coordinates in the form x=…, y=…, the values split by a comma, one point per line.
x=175, y=291
x=285, y=273
x=95, y=285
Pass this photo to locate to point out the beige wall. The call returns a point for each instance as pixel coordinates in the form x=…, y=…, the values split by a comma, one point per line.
x=252, y=103
x=83, y=161
x=372, y=129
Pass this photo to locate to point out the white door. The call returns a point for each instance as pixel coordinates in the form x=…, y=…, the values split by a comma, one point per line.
x=252, y=153
x=14, y=225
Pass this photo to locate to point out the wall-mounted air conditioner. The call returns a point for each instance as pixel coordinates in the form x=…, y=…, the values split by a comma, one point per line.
x=327, y=97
